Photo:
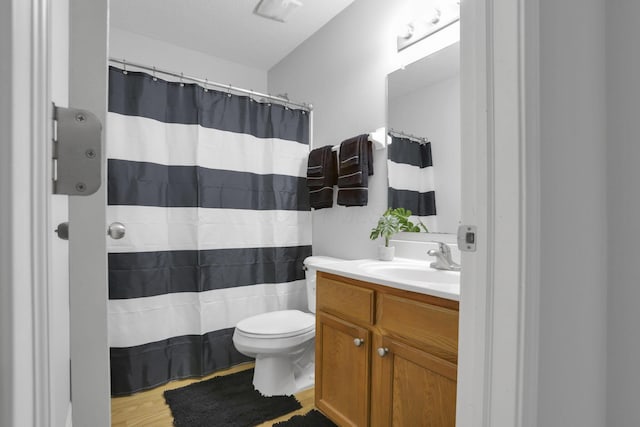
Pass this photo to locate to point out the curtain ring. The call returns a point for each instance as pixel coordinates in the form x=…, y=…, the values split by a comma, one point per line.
x=155, y=79
x=124, y=66
x=181, y=79
x=229, y=92
x=206, y=85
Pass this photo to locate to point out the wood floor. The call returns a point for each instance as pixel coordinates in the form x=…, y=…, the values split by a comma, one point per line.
x=148, y=408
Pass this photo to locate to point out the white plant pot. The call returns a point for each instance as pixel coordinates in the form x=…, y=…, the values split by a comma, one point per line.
x=386, y=253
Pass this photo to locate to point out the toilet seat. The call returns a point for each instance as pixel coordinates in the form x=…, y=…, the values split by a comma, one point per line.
x=277, y=324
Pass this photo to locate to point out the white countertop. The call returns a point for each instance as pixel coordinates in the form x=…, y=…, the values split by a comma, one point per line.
x=401, y=273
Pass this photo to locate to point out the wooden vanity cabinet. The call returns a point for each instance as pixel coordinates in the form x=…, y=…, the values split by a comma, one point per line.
x=415, y=388
x=384, y=357
x=342, y=381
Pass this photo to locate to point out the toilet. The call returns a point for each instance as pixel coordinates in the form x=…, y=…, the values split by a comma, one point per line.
x=282, y=342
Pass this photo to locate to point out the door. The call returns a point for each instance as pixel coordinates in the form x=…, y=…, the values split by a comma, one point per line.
x=342, y=370
x=90, y=378
x=416, y=388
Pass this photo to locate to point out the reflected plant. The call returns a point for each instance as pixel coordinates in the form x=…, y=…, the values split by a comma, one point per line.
x=403, y=217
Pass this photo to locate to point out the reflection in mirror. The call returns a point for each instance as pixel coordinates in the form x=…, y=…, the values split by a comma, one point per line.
x=424, y=155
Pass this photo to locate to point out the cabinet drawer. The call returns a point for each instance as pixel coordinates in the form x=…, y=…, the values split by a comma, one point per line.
x=427, y=326
x=345, y=300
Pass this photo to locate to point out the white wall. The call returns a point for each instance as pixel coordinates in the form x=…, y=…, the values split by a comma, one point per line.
x=434, y=112
x=342, y=71
x=147, y=51
x=572, y=350
x=623, y=203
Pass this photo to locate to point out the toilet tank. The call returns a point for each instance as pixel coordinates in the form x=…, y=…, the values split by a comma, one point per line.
x=311, y=264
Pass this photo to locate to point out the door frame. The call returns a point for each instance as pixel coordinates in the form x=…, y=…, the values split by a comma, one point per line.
x=499, y=310
x=25, y=192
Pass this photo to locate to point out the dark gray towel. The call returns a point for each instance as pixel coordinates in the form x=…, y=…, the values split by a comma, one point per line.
x=321, y=198
x=321, y=177
x=355, y=165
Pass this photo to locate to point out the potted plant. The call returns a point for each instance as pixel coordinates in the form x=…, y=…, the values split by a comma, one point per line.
x=387, y=226
x=390, y=223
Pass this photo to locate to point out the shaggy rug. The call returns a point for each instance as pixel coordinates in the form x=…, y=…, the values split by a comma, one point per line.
x=312, y=418
x=229, y=401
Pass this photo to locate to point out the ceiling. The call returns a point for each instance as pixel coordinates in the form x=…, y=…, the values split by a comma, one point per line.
x=227, y=29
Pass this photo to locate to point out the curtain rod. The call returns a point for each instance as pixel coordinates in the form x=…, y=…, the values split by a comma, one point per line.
x=284, y=101
x=419, y=139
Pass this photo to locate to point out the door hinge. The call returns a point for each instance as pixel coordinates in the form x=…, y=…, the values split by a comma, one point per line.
x=467, y=238
x=77, y=152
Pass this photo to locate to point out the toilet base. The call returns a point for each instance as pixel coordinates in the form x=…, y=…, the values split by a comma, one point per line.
x=281, y=376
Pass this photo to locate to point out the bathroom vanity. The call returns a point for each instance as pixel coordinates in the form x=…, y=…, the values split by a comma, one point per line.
x=384, y=355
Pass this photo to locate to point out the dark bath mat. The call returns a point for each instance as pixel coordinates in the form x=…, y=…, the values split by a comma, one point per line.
x=312, y=418
x=229, y=401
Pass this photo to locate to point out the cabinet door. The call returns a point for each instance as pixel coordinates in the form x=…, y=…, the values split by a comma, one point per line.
x=415, y=388
x=342, y=370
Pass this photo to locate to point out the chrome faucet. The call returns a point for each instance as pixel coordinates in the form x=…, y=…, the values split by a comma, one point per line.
x=443, y=258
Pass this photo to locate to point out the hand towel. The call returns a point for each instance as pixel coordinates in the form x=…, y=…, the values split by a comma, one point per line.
x=321, y=177
x=355, y=165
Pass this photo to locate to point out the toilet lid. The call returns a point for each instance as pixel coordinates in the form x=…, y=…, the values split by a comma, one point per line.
x=284, y=323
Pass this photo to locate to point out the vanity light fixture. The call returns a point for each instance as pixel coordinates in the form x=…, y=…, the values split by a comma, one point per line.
x=421, y=28
x=278, y=10
x=406, y=32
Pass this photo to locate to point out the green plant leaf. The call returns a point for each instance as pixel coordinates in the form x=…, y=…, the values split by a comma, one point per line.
x=387, y=226
x=401, y=222
x=426, y=230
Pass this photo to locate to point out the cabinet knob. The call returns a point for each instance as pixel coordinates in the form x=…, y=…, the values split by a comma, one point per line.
x=382, y=351
x=358, y=342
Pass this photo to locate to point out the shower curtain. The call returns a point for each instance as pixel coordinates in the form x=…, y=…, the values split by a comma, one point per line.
x=411, y=181
x=211, y=189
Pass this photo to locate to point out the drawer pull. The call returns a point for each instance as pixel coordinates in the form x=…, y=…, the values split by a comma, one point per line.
x=358, y=342
x=382, y=351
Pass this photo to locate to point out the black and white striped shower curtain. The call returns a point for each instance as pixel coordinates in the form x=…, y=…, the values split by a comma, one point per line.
x=211, y=188
x=411, y=180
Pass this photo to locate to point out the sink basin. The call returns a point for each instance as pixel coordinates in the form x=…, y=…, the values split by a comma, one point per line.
x=413, y=271
x=401, y=273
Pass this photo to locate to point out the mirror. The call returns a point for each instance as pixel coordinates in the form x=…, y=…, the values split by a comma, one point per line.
x=423, y=119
